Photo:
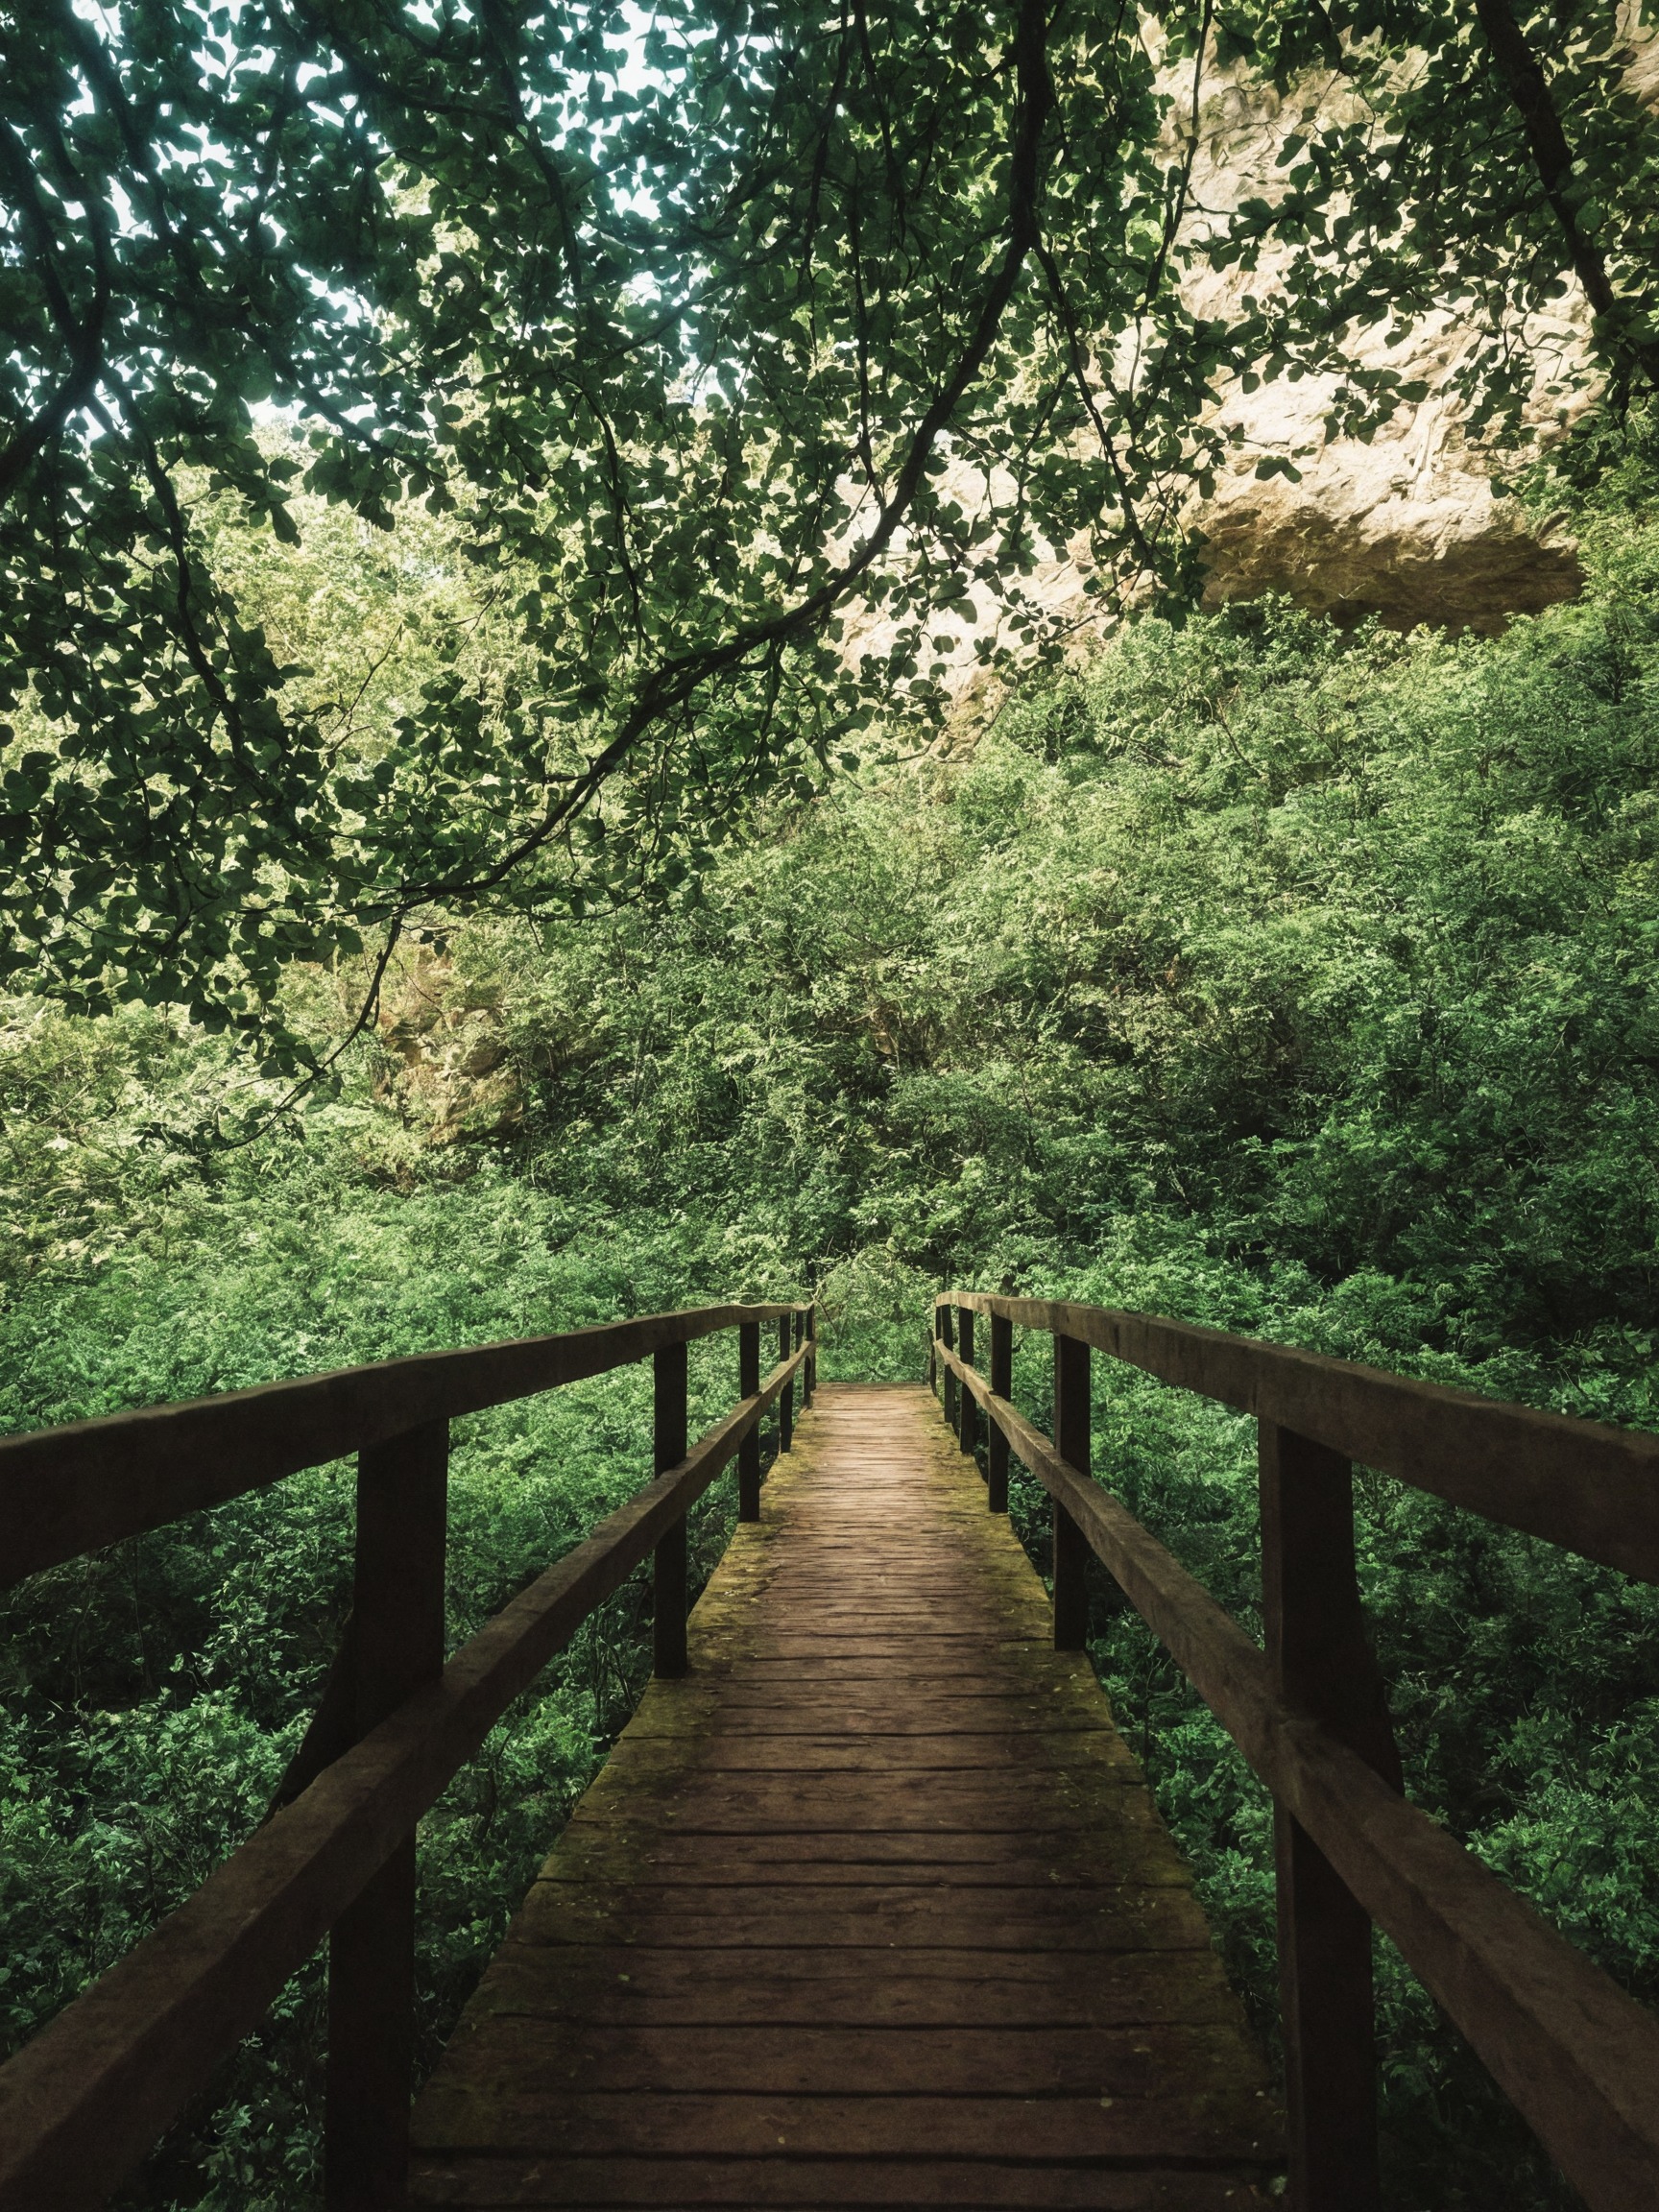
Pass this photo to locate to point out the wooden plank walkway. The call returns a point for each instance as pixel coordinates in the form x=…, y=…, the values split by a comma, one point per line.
x=873, y=1908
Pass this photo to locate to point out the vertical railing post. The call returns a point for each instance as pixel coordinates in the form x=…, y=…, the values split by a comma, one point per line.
x=809, y=1373
x=1321, y=1659
x=947, y=1337
x=1072, y=1427
x=668, y=1567
x=967, y=1412
x=749, y=1450
x=1002, y=1387
x=786, y=1399
x=398, y=1629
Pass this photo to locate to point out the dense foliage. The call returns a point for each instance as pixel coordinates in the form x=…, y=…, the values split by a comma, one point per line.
x=1279, y=978
x=467, y=476
x=679, y=315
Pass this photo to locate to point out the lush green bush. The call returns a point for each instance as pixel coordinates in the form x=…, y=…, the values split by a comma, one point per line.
x=1285, y=978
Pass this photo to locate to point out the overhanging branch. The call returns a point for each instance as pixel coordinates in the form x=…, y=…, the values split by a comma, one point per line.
x=677, y=680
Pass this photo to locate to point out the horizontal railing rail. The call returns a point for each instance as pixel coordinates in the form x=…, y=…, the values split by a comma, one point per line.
x=1591, y=1488
x=73, y=1489
x=83, y=2102
x=1577, y=2056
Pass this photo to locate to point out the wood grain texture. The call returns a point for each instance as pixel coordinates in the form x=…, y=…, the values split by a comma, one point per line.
x=871, y=1907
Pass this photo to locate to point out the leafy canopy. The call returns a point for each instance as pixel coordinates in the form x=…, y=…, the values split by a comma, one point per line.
x=677, y=318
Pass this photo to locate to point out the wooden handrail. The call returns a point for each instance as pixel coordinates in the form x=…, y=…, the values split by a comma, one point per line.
x=84, y=2100
x=73, y=1489
x=1578, y=2057
x=1588, y=1487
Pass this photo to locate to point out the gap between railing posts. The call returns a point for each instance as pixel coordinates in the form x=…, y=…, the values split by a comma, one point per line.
x=995, y=1443
x=669, y=1565
x=961, y=1410
x=967, y=1411
x=786, y=1399
x=1074, y=1441
x=749, y=1450
x=1578, y=2057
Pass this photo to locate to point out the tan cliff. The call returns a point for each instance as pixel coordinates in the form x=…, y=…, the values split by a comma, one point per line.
x=1412, y=526
x=1407, y=525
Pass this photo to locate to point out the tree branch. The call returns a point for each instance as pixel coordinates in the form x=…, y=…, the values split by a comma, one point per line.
x=1529, y=95
x=676, y=681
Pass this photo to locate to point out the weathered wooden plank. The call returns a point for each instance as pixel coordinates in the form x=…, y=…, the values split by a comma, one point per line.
x=797, y=1804
x=608, y=1851
x=804, y=1898
x=840, y=1916
x=705, y=2058
x=812, y=1988
x=1188, y=2125
x=806, y=2185
x=890, y=1620
x=726, y=1751
x=1011, y=1664
x=1135, y=1837
x=868, y=1641
x=619, y=1843
x=990, y=1712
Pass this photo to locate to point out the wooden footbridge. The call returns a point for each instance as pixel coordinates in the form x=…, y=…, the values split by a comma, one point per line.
x=870, y=1906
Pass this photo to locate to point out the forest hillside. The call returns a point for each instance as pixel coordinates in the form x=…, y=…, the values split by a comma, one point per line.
x=1291, y=978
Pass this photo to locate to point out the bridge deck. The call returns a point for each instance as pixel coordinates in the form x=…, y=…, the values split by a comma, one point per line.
x=873, y=1908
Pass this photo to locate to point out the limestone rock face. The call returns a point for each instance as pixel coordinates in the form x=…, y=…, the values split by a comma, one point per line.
x=444, y=1061
x=1406, y=526
x=1350, y=542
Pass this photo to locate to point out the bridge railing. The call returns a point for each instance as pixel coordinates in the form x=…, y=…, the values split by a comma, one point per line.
x=1578, y=2057
x=88, y=2096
